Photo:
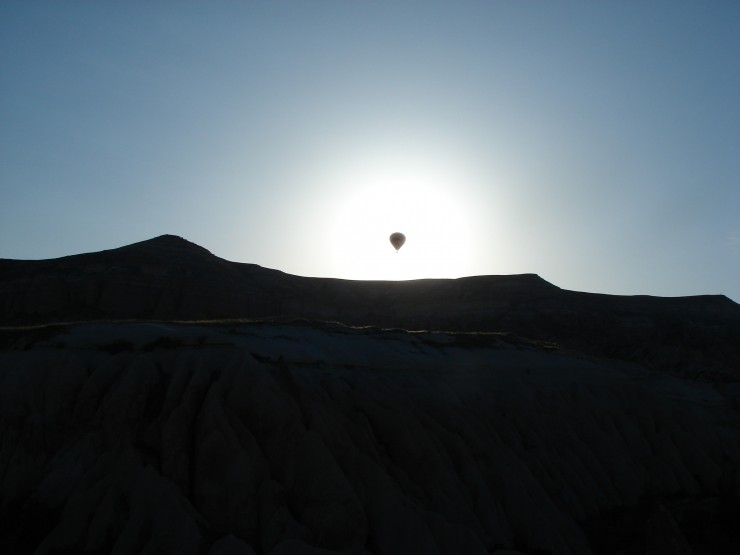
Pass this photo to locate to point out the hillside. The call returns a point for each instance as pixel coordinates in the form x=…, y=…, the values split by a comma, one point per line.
x=301, y=438
x=169, y=278
x=158, y=399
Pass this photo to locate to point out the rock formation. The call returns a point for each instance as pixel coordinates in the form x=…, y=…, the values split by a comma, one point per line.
x=568, y=423
x=169, y=278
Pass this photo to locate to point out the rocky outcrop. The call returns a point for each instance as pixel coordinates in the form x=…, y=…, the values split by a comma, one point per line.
x=291, y=438
x=169, y=278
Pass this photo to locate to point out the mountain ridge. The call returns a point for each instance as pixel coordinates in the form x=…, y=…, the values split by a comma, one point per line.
x=170, y=243
x=168, y=278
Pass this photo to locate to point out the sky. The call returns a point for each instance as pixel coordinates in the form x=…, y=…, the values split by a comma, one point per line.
x=596, y=144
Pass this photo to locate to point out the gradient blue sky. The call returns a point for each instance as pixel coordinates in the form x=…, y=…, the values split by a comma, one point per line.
x=594, y=143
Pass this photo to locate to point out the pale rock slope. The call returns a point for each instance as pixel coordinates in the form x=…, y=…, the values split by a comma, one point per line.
x=304, y=438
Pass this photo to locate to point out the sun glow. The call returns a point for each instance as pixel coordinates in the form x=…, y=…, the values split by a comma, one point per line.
x=422, y=206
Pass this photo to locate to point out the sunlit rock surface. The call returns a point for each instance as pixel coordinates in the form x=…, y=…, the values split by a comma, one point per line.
x=306, y=438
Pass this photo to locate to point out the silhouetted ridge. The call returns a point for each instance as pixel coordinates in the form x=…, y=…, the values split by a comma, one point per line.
x=170, y=278
x=169, y=243
x=165, y=249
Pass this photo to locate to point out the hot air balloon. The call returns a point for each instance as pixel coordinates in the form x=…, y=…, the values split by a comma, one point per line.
x=397, y=240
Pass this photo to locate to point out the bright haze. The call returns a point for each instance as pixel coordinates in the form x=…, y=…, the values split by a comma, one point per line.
x=594, y=143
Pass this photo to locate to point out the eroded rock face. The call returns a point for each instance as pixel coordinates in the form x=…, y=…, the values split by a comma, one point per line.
x=306, y=438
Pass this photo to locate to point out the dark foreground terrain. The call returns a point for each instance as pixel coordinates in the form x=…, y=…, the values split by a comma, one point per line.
x=538, y=420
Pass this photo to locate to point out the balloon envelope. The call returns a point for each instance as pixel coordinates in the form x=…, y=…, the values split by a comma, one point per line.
x=397, y=240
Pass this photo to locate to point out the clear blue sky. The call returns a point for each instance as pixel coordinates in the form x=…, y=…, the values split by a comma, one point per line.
x=594, y=143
